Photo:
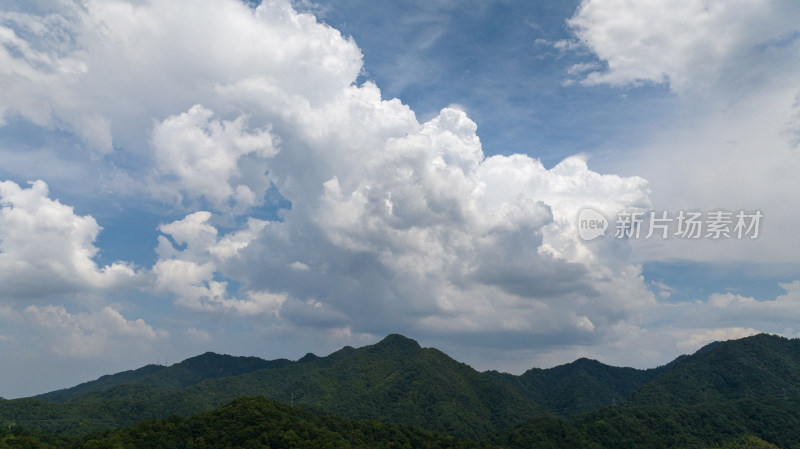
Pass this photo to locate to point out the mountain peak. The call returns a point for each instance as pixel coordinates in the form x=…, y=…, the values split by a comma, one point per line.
x=309, y=357
x=397, y=341
x=587, y=361
x=394, y=343
x=208, y=355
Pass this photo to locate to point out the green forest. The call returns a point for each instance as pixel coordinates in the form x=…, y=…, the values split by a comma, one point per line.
x=395, y=394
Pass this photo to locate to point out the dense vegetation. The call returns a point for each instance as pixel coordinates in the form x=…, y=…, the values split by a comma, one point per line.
x=396, y=381
x=761, y=368
x=699, y=426
x=176, y=377
x=581, y=386
x=736, y=394
x=747, y=442
x=249, y=422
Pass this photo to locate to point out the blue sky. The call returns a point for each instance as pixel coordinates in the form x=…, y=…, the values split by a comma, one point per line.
x=177, y=177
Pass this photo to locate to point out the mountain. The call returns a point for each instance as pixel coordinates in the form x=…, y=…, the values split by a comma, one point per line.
x=175, y=377
x=394, y=380
x=725, y=391
x=117, y=407
x=581, y=386
x=763, y=368
x=125, y=398
x=748, y=387
x=697, y=426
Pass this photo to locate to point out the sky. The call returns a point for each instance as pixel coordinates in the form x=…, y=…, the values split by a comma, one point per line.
x=275, y=178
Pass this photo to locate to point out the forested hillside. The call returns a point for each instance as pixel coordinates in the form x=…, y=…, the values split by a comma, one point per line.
x=726, y=395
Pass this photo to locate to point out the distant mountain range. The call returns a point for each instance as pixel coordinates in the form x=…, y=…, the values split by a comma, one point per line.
x=736, y=392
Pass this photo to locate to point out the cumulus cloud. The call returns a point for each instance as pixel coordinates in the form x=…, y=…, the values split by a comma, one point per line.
x=666, y=330
x=662, y=332
x=190, y=273
x=730, y=141
x=198, y=335
x=669, y=329
x=420, y=230
x=700, y=339
x=105, y=71
x=394, y=224
x=46, y=249
x=731, y=307
x=90, y=334
x=690, y=44
x=205, y=156
x=102, y=48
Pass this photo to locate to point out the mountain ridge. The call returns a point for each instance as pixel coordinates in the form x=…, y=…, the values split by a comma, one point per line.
x=143, y=373
x=396, y=380
x=173, y=377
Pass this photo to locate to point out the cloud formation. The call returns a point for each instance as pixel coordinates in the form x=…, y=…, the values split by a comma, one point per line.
x=209, y=157
x=46, y=249
x=691, y=44
x=99, y=333
x=106, y=69
x=190, y=273
x=730, y=141
x=392, y=223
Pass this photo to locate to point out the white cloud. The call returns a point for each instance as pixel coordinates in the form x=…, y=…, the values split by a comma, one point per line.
x=782, y=310
x=299, y=266
x=108, y=70
x=198, y=335
x=190, y=273
x=205, y=155
x=46, y=249
x=691, y=44
x=729, y=141
x=419, y=230
x=394, y=224
x=99, y=333
x=700, y=339
x=577, y=69
x=667, y=330
x=407, y=224
x=664, y=290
